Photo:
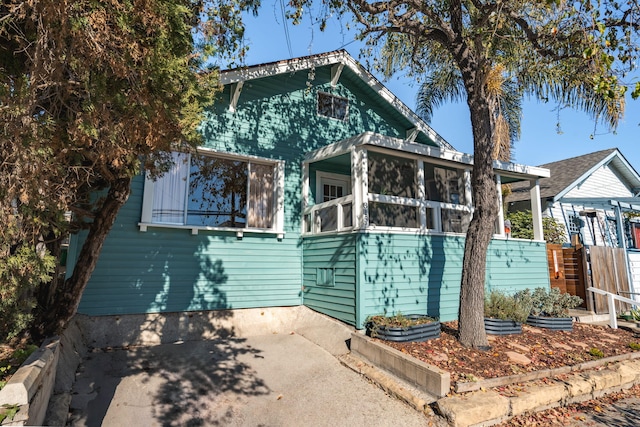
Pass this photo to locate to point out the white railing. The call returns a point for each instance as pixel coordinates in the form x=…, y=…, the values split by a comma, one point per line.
x=334, y=215
x=611, y=299
x=438, y=221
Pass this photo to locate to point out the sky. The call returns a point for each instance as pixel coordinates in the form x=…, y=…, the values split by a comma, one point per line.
x=542, y=140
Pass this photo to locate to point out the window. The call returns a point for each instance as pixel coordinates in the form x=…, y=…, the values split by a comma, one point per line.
x=214, y=190
x=332, y=106
x=574, y=224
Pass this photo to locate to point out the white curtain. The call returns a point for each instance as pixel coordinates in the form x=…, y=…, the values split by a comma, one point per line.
x=261, y=196
x=170, y=192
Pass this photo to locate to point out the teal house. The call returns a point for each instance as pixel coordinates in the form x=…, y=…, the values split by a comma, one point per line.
x=315, y=186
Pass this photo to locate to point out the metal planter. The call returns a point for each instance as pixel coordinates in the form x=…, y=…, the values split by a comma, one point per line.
x=501, y=326
x=553, y=323
x=413, y=333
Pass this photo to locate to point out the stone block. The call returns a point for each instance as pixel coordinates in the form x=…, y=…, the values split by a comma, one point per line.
x=603, y=379
x=537, y=397
x=577, y=385
x=628, y=373
x=473, y=408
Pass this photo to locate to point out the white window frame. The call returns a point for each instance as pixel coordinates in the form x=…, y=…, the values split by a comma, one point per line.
x=330, y=178
x=278, y=225
x=333, y=97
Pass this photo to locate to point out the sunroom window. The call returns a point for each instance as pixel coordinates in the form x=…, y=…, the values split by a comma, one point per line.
x=214, y=190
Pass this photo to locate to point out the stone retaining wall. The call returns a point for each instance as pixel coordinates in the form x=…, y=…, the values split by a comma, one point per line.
x=32, y=385
x=488, y=407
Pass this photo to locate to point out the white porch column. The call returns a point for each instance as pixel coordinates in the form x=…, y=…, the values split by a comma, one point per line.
x=536, y=209
x=468, y=191
x=306, y=225
x=360, y=183
x=422, y=195
x=500, y=206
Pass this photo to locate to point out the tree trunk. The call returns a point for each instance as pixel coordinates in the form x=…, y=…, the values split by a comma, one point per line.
x=471, y=311
x=64, y=304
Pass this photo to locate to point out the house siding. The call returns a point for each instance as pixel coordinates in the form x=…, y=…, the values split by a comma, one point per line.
x=421, y=274
x=337, y=252
x=164, y=270
x=604, y=182
x=634, y=267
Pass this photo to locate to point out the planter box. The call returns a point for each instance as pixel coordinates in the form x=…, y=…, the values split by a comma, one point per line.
x=501, y=327
x=414, y=333
x=554, y=323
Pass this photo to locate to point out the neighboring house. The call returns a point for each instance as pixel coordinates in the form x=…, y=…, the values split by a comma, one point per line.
x=591, y=195
x=317, y=186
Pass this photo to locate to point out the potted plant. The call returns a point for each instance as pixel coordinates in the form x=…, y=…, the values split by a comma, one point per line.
x=504, y=313
x=550, y=309
x=403, y=328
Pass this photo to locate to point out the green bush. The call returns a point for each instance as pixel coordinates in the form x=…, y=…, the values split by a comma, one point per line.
x=551, y=303
x=21, y=272
x=522, y=227
x=499, y=305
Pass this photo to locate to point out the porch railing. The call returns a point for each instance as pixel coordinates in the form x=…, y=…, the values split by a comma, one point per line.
x=611, y=299
x=338, y=215
x=334, y=215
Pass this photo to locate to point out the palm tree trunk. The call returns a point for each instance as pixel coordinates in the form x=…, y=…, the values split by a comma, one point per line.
x=471, y=311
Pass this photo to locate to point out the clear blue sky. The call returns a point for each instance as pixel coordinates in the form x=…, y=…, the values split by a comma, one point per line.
x=540, y=141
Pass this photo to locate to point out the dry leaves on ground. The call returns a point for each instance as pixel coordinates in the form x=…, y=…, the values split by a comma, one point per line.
x=541, y=348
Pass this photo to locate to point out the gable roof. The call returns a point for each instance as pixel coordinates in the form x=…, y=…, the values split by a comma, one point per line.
x=567, y=173
x=339, y=61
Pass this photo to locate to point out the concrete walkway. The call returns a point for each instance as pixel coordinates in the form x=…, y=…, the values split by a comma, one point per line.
x=275, y=379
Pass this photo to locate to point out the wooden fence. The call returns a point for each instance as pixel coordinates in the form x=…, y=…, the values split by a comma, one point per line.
x=569, y=271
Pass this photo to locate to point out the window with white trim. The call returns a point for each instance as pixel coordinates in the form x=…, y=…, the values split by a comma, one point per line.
x=217, y=190
x=332, y=106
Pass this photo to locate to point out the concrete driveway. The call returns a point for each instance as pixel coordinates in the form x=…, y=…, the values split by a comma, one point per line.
x=274, y=379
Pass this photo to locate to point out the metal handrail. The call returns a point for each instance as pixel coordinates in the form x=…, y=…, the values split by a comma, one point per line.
x=611, y=299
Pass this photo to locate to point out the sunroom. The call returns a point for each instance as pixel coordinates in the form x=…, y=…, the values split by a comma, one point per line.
x=374, y=182
x=384, y=223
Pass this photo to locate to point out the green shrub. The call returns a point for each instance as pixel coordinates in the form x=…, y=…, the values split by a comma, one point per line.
x=597, y=353
x=522, y=227
x=551, y=303
x=499, y=305
x=21, y=272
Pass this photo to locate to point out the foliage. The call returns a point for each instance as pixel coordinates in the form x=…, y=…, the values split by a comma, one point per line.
x=89, y=90
x=635, y=314
x=634, y=346
x=551, y=303
x=499, y=305
x=9, y=365
x=522, y=227
x=20, y=272
x=574, y=53
x=596, y=352
x=8, y=412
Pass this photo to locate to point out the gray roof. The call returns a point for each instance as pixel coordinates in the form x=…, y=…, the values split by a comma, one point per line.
x=563, y=174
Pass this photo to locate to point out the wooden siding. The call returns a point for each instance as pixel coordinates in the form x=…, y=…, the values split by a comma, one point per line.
x=634, y=267
x=337, y=252
x=604, y=182
x=421, y=274
x=171, y=270
x=516, y=264
x=164, y=270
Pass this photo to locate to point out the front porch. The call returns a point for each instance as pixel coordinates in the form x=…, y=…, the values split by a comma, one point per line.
x=373, y=182
x=384, y=223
